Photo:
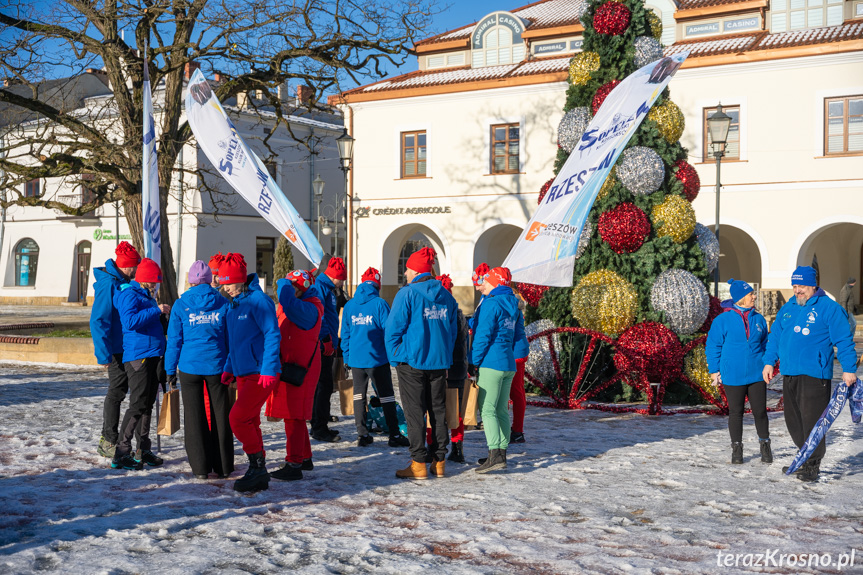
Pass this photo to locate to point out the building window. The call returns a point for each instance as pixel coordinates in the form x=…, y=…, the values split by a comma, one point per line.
x=732, y=145
x=413, y=154
x=844, y=122
x=273, y=169
x=504, y=148
x=788, y=15
x=415, y=243
x=31, y=189
x=498, y=49
x=88, y=190
x=265, y=251
x=26, y=262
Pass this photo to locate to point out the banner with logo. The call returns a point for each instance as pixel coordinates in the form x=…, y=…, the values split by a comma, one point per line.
x=150, y=179
x=545, y=252
x=242, y=168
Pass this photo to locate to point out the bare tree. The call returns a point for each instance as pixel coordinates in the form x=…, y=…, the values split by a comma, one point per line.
x=256, y=46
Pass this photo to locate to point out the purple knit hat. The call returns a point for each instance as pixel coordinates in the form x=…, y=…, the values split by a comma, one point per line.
x=200, y=273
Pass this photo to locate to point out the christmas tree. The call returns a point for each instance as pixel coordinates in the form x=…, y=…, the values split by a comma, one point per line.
x=639, y=292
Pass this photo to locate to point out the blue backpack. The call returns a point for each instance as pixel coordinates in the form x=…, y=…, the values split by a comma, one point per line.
x=375, y=420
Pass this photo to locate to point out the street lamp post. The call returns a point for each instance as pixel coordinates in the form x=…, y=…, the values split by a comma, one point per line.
x=346, y=152
x=318, y=187
x=718, y=124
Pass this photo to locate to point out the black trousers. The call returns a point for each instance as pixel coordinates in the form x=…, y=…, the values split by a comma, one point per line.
x=736, y=395
x=424, y=391
x=321, y=402
x=209, y=448
x=382, y=379
x=806, y=398
x=143, y=377
x=118, y=386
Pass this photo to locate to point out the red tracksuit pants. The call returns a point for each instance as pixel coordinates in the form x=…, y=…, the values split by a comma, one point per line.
x=518, y=396
x=298, y=447
x=246, y=414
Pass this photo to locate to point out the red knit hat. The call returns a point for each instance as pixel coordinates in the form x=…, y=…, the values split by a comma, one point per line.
x=372, y=275
x=301, y=279
x=336, y=269
x=127, y=255
x=446, y=282
x=480, y=273
x=232, y=269
x=499, y=277
x=421, y=261
x=148, y=272
x=216, y=261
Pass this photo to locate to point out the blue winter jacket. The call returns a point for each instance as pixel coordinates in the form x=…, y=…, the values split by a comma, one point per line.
x=363, y=321
x=422, y=327
x=198, y=332
x=734, y=351
x=300, y=312
x=143, y=335
x=499, y=330
x=105, y=324
x=802, y=338
x=471, y=323
x=330, y=322
x=522, y=348
x=253, y=333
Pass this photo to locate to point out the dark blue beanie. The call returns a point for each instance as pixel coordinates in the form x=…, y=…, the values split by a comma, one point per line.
x=804, y=276
x=739, y=289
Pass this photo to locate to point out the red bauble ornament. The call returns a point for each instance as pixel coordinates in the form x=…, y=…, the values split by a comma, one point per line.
x=715, y=310
x=602, y=93
x=544, y=190
x=689, y=177
x=611, y=18
x=624, y=228
x=531, y=293
x=649, y=348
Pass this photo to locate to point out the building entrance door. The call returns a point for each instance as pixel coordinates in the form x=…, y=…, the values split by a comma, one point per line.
x=83, y=264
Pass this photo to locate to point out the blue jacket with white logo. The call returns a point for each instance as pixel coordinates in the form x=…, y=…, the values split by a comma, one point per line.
x=735, y=348
x=499, y=330
x=253, y=333
x=198, y=332
x=802, y=338
x=363, y=321
x=330, y=322
x=143, y=335
x=422, y=327
x=105, y=326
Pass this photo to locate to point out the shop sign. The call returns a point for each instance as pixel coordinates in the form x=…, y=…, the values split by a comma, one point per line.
x=576, y=44
x=411, y=211
x=497, y=19
x=100, y=234
x=697, y=29
x=741, y=24
x=549, y=48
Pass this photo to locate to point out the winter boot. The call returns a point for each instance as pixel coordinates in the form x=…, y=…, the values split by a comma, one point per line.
x=456, y=453
x=496, y=460
x=256, y=477
x=437, y=468
x=288, y=472
x=307, y=465
x=149, y=458
x=736, y=452
x=516, y=437
x=766, y=452
x=810, y=470
x=482, y=460
x=364, y=440
x=126, y=462
x=415, y=470
x=106, y=448
x=399, y=441
x=798, y=472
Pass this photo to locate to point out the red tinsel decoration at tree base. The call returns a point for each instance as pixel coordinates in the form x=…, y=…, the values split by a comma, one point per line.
x=652, y=349
x=715, y=310
x=544, y=190
x=689, y=178
x=611, y=18
x=531, y=293
x=603, y=93
x=624, y=228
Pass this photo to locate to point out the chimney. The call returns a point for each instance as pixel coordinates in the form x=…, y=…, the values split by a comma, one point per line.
x=242, y=99
x=304, y=94
x=282, y=90
x=96, y=71
x=217, y=76
x=190, y=69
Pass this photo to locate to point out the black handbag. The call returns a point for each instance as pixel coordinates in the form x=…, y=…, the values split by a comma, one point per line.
x=294, y=374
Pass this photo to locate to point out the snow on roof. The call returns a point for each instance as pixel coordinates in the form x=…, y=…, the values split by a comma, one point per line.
x=692, y=4
x=711, y=47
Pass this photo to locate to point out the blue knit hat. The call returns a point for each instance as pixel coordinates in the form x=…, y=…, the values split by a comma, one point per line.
x=804, y=276
x=739, y=289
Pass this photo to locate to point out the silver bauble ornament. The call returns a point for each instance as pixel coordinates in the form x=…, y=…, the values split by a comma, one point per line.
x=539, y=364
x=641, y=170
x=647, y=50
x=572, y=126
x=709, y=245
x=683, y=298
x=584, y=239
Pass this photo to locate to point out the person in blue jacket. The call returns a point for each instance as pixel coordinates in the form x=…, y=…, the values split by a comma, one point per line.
x=735, y=350
x=198, y=348
x=107, y=333
x=419, y=336
x=362, y=342
x=499, y=330
x=802, y=338
x=253, y=359
x=143, y=346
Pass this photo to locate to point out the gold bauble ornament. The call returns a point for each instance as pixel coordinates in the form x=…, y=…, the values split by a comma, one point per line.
x=581, y=66
x=603, y=301
x=607, y=185
x=655, y=23
x=695, y=368
x=669, y=120
x=677, y=219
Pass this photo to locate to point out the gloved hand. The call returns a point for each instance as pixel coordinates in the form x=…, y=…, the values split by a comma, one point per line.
x=471, y=370
x=227, y=378
x=172, y=380
x=328, y=346
x=268, y=381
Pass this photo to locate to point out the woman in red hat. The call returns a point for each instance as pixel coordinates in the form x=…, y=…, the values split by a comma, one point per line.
x=253, y=355
x=299, y=312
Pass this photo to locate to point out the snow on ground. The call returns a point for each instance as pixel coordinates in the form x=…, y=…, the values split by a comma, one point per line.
x=590, y=492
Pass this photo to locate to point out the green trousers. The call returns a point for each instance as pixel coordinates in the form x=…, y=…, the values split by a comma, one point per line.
x=493, y=401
